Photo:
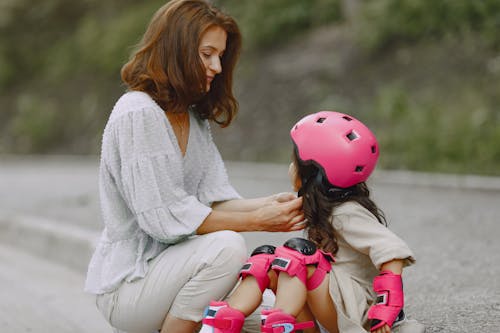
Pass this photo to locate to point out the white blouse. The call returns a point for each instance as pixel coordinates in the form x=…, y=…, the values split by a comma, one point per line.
x=151, y=195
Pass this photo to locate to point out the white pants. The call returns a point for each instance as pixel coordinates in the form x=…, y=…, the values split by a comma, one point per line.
x=181, y=281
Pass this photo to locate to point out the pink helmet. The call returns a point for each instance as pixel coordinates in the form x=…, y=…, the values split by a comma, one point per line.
x=341, y=145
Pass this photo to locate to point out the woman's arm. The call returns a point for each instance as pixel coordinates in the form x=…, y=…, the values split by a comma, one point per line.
x=276, y=217
x=246, y=205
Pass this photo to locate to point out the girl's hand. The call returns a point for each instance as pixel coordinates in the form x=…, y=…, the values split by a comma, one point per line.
x=281, y=216
x=383, y=329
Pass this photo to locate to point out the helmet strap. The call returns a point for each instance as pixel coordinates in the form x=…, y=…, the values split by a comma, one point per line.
x=325, y=187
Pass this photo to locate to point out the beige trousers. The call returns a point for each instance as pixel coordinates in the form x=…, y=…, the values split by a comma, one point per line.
x=181, y=281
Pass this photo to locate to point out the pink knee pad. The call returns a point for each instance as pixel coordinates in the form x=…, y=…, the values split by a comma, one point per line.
x=390, y=299
x=276, y=321
x=294, y=256
x=219, y=317
x=258, y=265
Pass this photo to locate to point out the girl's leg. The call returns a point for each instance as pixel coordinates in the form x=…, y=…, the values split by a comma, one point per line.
x=229, y=316
x=321, y=305
x=291, y=294
x=247, y=296
x=306, y=316
x=172, y=324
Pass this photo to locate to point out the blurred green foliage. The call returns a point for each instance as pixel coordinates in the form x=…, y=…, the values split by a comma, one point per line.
x=395, y=21
x=266, y=23
x=60, y=63
x=458, y=136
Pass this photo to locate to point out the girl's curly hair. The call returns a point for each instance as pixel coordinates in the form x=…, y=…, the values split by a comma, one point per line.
x=319, y=205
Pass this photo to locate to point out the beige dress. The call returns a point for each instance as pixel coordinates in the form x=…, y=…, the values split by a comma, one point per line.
x=364, y=245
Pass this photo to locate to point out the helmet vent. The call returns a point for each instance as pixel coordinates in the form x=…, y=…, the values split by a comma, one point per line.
x=352, y=136
x=374, y=149
x=321, y=120
x=347, y=118
x=359, y=168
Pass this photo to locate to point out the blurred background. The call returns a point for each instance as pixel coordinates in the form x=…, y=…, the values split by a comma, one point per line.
x=423, y=74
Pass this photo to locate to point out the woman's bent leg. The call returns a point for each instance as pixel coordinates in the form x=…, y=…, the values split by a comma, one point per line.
x=180, y=282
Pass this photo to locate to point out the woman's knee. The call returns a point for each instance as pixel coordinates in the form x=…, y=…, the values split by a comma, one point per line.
x=229, y=248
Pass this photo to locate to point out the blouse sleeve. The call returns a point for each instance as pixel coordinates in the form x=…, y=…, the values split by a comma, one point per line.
x=362, y=231
x=151, y=177
x=215, y=185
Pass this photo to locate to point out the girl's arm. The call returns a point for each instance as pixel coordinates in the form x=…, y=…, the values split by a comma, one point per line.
x=395, y=266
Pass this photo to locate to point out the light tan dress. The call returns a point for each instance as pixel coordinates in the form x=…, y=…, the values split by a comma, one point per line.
x=364, y=245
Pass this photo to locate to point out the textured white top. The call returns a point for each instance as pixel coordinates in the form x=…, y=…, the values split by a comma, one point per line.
x=151, y=195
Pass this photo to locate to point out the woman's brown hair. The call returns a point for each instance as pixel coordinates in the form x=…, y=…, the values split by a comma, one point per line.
x=167, y=66
x=318, y=206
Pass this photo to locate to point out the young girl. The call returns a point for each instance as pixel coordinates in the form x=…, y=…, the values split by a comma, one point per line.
x=361, y=289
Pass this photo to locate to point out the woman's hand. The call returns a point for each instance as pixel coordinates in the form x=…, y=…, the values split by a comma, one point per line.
x=282, y=215
x=281, y=212
x=283, y=197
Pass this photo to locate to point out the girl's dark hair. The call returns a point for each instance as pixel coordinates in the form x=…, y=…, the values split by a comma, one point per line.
x=167, y=66
x=319, y=205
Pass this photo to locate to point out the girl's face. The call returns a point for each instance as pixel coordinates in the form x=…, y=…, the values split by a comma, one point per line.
x=211, y=49
x=294, y=177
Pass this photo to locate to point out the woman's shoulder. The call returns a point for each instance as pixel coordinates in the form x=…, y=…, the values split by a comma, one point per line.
x=133, y=101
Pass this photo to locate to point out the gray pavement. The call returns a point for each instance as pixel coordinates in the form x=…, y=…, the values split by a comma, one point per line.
x=49, y=219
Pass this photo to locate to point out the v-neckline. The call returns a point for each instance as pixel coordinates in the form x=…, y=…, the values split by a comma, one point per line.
x=177, y=142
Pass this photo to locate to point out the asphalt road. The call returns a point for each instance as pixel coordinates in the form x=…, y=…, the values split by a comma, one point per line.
x=451, y=223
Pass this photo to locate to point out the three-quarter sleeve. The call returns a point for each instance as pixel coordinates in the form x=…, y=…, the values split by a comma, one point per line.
x=215, y=185
x=151, y=177
x=362, y=231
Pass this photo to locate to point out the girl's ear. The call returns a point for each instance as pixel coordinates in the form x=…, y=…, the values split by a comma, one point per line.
x=294, y=177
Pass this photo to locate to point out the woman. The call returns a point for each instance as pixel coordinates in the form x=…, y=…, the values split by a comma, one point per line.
x=170, y=242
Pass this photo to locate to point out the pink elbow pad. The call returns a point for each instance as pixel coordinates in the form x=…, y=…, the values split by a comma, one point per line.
x=390, y=299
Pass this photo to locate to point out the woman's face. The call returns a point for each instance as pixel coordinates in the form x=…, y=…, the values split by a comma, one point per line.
x=212, y=47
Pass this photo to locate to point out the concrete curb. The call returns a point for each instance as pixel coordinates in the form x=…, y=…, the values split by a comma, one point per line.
x=54, y=240
x=451, y=181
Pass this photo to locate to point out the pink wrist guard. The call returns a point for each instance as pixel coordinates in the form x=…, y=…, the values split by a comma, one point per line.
x=390, y=299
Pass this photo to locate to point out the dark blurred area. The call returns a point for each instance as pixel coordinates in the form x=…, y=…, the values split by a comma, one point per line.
x=423, y=74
